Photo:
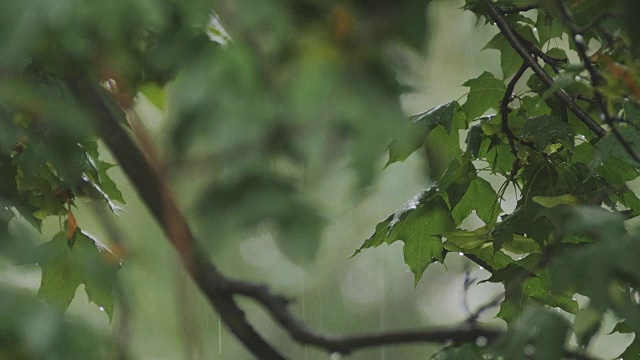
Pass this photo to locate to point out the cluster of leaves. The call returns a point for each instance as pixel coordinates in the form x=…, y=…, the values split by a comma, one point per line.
x=276, y=93
x=49, y=155
x=566, y=234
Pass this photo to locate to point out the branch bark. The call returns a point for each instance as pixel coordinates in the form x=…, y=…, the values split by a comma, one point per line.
x=155, y=194
x=521, y=49
x=218, y=288
x=596, y=79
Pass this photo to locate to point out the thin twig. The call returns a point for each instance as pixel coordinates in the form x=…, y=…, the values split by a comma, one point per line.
x=538, y=70
x=504, y=108
x=596, y=79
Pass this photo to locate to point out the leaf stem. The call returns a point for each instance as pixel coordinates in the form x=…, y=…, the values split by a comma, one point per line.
x=521, y=49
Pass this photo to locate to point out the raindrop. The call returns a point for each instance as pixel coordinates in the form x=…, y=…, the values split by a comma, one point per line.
x=481, y=268
x=535, y=29
x=37, y=264
x=219, y=335
x=101, y=308
x=602, y=117
x=529, y=350
x=577, y=78
x=578, y=39
x=482, y=341
x=461, y=254
x=335, y=356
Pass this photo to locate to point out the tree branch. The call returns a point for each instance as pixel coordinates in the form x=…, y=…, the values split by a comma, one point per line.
x=155, y=194
x=596, y=79
x=517, y=9
x=219, y=289
x=521, y=49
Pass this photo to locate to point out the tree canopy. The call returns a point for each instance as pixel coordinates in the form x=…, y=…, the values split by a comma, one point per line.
x=265, y=98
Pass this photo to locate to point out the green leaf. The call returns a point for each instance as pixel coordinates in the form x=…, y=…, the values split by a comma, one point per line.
x=552, y=201
x=474, y=140
x=255, y=198
x=544, y=330
x=586, y=324
x=65, y=267
x=468, y=240
x=632, y=352
x=155, y=93
x=419, y=127
x=480, y=197
x=548, y=27
x=545, y=130
x=485, y=92
x=420, y=224
x=609, y=146
x=510, y=60
x=485, y=254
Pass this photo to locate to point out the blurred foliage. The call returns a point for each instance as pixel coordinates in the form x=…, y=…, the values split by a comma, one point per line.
x=269, y=95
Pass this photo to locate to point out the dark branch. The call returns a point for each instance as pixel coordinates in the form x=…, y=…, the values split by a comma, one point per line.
x=517, y=9
x=521, y=49
x=218, y=288
x=155, y=194
x=277, y=307
x=504, y=108
x=596, y=79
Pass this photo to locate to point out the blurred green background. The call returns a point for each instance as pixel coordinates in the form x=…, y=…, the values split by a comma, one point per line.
x=169, y=319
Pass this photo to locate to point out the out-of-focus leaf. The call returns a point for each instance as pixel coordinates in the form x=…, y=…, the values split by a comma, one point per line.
x=538, y=333
x=254, y=199
x=586, y=324
x=464, y=352
x=610, y=146
x=632, y=352
x=35, y=331
x=156, y=94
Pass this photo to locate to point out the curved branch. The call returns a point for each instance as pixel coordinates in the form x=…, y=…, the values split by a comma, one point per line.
x=155, y=194
x=220, y=289
x=596, y=79
x=521, y=49
x=504, y=108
